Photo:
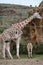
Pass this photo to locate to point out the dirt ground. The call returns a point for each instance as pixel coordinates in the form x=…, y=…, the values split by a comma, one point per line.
x=22, y=62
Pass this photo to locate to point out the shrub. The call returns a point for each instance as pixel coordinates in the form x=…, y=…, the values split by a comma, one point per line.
x=4, y=26
x=2, y=29
x=37, y=49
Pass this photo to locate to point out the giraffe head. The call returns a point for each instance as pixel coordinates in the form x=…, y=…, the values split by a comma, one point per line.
x=16, y=33
x=37, y=15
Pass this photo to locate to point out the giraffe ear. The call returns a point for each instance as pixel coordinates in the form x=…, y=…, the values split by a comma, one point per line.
x=36, y=15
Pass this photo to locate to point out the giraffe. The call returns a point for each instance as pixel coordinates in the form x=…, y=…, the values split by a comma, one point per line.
x=15, y=32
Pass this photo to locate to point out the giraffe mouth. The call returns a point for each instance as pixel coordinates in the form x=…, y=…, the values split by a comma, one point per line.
x=37, y=15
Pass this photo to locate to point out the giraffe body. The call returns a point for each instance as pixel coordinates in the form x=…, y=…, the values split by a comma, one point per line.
x=14, y=32
x=7, y=36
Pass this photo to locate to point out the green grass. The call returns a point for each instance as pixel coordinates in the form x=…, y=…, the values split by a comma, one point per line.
x=40, y=56
x=37, y=55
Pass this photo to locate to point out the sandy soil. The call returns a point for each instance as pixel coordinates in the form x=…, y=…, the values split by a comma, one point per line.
x=22, y=62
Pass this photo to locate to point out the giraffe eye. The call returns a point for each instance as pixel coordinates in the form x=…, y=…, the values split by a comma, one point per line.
x=16, y=32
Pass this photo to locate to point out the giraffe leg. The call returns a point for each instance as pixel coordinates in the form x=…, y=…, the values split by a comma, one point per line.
x=28, y=53
x=3, y=50
x=8, y=49
x=17, y=46
x=31, y=53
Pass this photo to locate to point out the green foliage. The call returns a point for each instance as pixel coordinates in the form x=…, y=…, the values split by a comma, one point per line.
x=25, y=15
x=23, y=49
x=0, y=17
x=4, y=26
x=22, y=41
x=2, y=29
x=38, y=49
x=40, y=56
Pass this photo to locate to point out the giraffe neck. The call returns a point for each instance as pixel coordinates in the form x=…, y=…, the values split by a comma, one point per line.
x=25, y=22
x=22, y=24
